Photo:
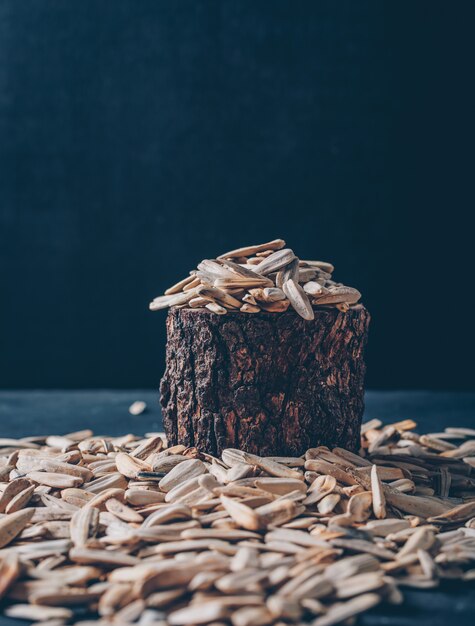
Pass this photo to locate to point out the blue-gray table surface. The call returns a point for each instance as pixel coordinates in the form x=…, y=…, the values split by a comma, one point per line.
x=24, y=413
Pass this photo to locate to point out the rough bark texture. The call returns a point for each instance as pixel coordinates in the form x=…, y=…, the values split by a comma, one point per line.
x=268, y=383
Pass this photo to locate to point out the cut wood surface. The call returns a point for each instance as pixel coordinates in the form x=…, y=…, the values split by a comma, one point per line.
x=265, y=383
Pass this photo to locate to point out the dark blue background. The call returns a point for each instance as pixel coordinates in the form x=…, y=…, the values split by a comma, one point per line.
x=137, y=137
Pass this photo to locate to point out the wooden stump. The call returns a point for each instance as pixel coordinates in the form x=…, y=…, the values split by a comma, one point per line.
x=267, y=383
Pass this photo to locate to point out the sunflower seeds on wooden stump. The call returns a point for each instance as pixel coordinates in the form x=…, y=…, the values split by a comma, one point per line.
x=245, y=539
x=251, y=332
x=224, y=285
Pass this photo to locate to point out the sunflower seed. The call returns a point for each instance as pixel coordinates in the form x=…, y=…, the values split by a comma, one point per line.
x=215, y=268
x=183, y=471
x=12, y=524
x=427, y=564
x=37, y=613
x=328, y=503
x=102, y=557
x=422, y=539
x=11, y=491
x=242, y=282
x=130, y=466
x=361, y=583
x=9, y=571
x=137, y=408
x=275, y=244
x=83, y=525
x=221, y=297
x=58, y=481
x=280, y=486
x=251, y=616
x=460, y=513
x=379, y=501
x=242, y=514
x=314, y=289
x=335, y=295
x=214, y=307
x=341, y=612
x=320, y=265
x=162, y=302
x=289, y=272
x=272, y=294
x=241, y=271
x=359, y=506
x=298, y=299
x=122, y=511
x=382, y=528
x=198, y=302
x=20, y=500
x=275, y=307
x=202, y=614
x=249, y=308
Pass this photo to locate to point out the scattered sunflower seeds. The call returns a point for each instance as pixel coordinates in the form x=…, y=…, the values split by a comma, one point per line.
x=129, y=530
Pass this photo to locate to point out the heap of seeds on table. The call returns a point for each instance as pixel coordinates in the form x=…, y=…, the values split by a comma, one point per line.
x=267, y=277
x=130, y=531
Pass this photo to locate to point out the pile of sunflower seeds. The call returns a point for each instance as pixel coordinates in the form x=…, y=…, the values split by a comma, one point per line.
x=131, y=531
x=267, y=277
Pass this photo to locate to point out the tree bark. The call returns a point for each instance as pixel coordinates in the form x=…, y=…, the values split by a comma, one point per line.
x=267, y=383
